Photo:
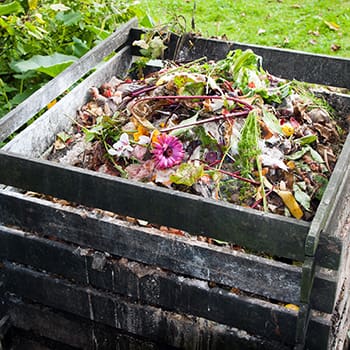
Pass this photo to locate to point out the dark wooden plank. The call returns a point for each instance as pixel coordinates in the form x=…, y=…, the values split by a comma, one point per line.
x=178, y=254
x=146, y=321
x=60, y=330
x=133, y=280
x=37, y=101
x=217, y=219
x=94, y=335
x=39, y=136
x=289, y=64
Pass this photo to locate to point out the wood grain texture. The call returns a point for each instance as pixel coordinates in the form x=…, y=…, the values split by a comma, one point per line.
x=185, y=332
x=217, y=219
x=40, y=135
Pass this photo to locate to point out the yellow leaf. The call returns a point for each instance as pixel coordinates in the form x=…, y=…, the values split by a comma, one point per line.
x=332, y=25
x=287, y=129
x=290, y=202
x=292, y=307
x=51, y=104
x=33, y=4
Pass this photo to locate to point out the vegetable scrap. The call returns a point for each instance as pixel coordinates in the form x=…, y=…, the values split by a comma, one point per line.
x=226, y=130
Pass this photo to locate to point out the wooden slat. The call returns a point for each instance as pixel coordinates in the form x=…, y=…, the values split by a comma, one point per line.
x=39, y=136
x=141, y=282
x=217, y=219
x=62, y=331
x=89, y=336
x=289, y=64
x=39, y=99
x=142, y=320
x=180, y=255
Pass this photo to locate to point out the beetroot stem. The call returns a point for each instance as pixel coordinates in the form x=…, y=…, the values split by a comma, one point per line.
x=234, y=175
x=208, y=120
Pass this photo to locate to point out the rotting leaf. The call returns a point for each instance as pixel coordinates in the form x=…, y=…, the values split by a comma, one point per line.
x=290, y=202
x=302, y=197
x=187, y=174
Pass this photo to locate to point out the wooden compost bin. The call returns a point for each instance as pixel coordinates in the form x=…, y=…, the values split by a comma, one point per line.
x=74, y=277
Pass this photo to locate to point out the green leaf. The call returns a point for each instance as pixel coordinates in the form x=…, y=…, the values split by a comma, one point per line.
x=147, y=21
x=187, y=174
x=69, y=18
x=322, y=183
x=11, y=8
x=193, y=89
x=297, y=155
x=271, y=122
x=63, y=136
x=102, y=34
x=301, y=197
x=186, y=125
x=50, y=65
x=315, y=156
x=306, y=140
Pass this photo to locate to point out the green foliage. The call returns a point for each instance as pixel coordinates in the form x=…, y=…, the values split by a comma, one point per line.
x=248, y=147
x=41, y=38
x=187, y=174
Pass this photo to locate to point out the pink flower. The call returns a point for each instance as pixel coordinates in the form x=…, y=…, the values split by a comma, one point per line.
x=167, y=151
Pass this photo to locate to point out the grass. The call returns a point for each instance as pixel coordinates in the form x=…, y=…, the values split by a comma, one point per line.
x=318, y=26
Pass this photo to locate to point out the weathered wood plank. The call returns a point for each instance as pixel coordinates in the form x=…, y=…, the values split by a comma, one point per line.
x=39, y=99
x=64, y=331
x=217, y=219
x=174, y=292
x=39, y=136
x=89, y=336
x=146, y=321
x=180, y=255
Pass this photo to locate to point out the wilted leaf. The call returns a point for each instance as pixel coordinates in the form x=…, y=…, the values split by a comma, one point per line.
x=187, y=174
x=63, y=136
x=297, y=155
x=305, y=140
x=290, y=202
x=322, y=182
x=332, y=25
x=315, y=155
x=272, y=122
x=302, y=197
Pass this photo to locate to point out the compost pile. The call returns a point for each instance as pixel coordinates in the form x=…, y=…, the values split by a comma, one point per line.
x=225, y=130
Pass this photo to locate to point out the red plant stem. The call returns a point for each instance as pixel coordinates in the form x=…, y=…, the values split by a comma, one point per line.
x=260, y=200
x=234, y=175
x=143, y=90
x=208, y=120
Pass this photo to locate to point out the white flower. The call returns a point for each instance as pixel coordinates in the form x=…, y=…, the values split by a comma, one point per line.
x=122, y=147
x=144, y=140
